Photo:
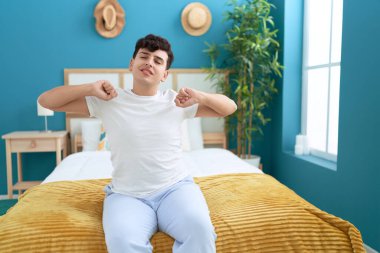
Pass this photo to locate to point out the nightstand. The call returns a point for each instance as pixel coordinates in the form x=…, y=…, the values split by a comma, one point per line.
x=31, y=141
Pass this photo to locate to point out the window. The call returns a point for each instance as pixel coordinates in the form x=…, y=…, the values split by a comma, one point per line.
x=321, y=75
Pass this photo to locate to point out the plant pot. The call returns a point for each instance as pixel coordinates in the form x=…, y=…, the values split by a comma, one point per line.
x=254, y=160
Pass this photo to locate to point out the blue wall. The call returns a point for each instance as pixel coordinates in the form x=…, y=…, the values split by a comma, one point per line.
x=41, y=38
x=44, y=37
x=47, y=37
x=351, y=191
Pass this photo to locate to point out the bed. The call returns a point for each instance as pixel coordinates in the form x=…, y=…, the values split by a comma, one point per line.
x=250, y=210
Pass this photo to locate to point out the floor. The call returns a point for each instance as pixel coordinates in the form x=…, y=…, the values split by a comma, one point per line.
x=6, y=204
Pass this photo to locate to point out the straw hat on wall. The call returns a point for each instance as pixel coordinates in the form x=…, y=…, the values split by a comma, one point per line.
x=110, y=18
x=196, y=19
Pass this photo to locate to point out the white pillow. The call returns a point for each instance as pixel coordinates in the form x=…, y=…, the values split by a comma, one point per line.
x=192, y=138
x=185, y=136
x=91, y=130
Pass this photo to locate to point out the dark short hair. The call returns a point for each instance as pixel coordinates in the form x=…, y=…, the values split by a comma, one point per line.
x=153, y=43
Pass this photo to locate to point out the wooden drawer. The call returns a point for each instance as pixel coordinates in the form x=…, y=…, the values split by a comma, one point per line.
x=33, y=145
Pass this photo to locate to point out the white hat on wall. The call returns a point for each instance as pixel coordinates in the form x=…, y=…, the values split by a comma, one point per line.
x=196, y=19
x=110, y=18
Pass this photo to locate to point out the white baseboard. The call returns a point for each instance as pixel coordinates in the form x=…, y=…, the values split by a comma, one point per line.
x=369, y=249
x=15, y=196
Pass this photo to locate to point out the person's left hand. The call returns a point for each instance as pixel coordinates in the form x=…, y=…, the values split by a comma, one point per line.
x=187, y=97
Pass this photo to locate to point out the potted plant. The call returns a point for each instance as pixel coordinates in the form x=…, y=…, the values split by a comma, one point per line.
x=252, y=62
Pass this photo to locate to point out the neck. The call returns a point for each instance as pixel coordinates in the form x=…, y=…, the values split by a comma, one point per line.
x=143, y=90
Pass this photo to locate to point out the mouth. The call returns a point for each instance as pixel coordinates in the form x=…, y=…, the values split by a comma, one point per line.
x=146, y=71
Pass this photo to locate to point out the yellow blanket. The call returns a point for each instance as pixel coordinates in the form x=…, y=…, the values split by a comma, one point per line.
x=250, y=212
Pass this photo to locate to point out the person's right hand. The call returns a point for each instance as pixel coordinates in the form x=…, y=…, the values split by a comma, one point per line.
x=104, y=90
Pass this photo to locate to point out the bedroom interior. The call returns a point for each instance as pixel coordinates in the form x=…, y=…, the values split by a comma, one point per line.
x=69, y=50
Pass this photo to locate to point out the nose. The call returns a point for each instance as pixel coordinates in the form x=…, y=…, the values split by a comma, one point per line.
x=149, y=62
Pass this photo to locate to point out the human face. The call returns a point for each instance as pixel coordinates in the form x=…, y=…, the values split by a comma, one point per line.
x=149, y=67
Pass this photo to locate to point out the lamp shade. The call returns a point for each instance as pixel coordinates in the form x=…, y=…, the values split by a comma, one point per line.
x=42, y=111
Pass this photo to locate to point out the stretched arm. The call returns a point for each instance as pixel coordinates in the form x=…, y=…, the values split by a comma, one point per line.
x=72, y=98
x=210, y=105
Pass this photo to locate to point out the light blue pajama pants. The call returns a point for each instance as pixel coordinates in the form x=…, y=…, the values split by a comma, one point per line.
x=179, y=211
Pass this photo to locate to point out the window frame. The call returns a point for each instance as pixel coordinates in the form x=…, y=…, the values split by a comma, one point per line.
x=305, y=69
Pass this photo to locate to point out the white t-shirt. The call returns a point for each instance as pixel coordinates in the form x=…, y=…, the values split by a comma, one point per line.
x=144, y=134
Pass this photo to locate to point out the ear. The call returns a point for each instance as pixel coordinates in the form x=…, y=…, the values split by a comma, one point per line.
x=131, y=64
x=166, y=73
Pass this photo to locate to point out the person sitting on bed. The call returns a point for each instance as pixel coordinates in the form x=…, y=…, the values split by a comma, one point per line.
x=151, y=190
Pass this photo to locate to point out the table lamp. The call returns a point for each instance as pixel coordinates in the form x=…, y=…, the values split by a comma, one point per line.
x=42, y=111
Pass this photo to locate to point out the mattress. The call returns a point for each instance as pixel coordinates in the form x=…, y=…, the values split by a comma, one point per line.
x=97, y=165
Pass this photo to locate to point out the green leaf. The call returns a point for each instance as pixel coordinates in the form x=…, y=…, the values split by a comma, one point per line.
x=252, y=54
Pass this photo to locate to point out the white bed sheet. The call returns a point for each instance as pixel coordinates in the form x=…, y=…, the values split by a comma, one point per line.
x=200, y=163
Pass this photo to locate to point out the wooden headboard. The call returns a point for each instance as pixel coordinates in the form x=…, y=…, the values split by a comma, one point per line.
x=212, y=128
